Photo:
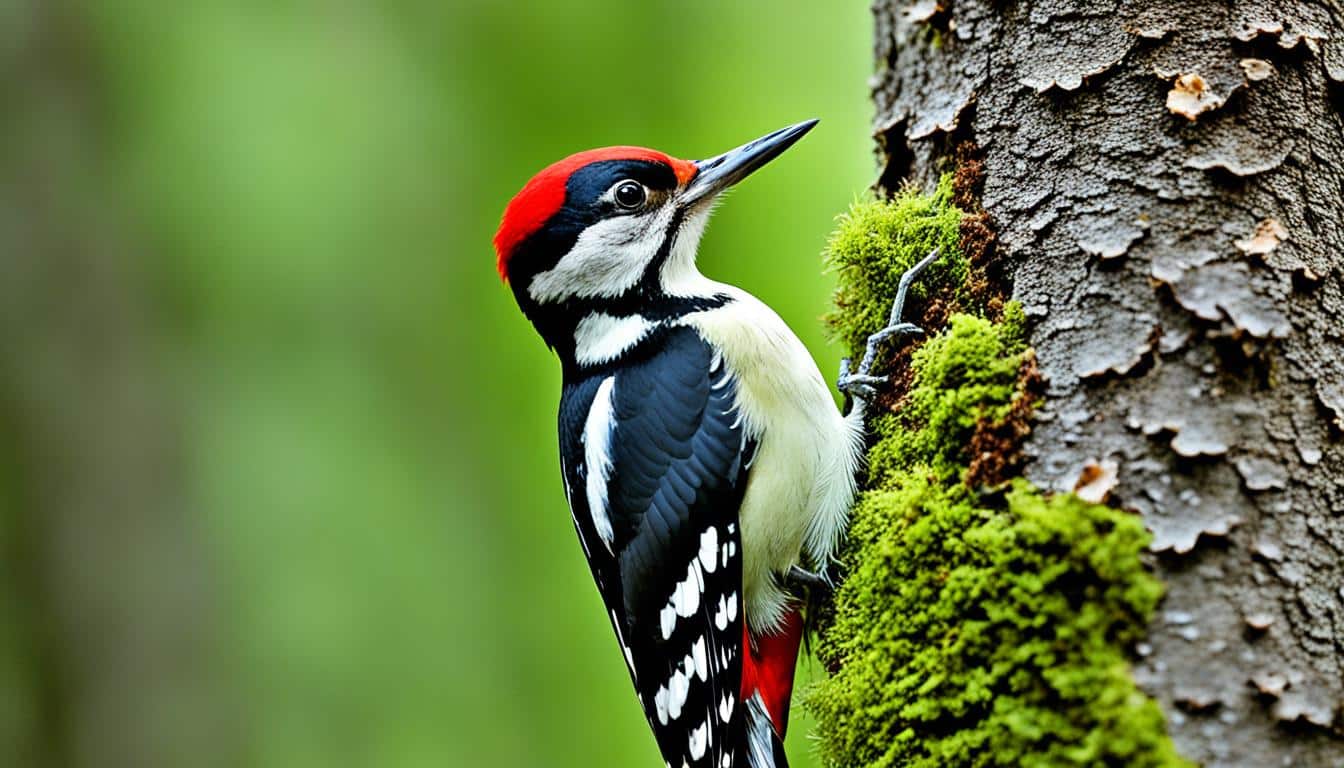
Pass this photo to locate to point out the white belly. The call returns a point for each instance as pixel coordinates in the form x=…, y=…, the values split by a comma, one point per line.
x=802, y=480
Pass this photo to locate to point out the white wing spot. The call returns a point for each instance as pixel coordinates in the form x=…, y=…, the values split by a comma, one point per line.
x=686, y=597
x=721, y=614
x=660, y=702
x=677, y=688
x=699, y=741
x=732, y=607
x=698, y=657
x=596, y=435
x=728, y=549
x=709, y=543
x=668, y=618
x=726, y=707
x=725, y=656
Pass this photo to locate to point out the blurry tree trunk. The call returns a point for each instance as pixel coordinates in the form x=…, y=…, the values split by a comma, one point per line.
x=1166, y=180
x=105, y=600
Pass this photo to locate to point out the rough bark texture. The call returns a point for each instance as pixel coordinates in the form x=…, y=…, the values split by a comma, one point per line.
x=105, y=597
x=1166, y=180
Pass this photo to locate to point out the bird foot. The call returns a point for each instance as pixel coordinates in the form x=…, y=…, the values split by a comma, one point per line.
x=801, y=577
x=861, y=385
x=858, y=387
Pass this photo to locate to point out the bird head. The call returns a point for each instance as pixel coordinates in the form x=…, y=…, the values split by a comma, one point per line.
x=616, y=229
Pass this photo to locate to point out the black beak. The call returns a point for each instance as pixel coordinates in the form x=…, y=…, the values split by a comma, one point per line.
x=719, y=173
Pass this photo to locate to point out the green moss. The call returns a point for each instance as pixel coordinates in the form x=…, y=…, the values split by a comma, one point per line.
x=876, y=241
x=966, y=374
x=972, y=631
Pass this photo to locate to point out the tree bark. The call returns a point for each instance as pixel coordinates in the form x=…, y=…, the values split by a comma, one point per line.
x=106, y=610
x=1166, y=180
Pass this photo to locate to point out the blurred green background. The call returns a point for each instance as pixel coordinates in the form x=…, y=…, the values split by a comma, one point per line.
x=277, y=450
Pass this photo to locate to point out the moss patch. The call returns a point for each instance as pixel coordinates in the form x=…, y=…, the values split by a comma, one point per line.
x=875, y=242
x=971, y=629
x=963, y=376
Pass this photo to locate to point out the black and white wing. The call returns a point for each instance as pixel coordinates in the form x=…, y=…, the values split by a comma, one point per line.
x=656, y=459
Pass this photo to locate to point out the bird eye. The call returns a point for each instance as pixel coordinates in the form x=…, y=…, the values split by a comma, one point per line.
x=630, y=194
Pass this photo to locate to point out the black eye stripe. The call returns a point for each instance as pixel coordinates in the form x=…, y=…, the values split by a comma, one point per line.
x=590, y=183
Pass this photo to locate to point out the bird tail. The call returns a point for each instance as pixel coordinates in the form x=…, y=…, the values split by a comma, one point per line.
x=767, y=688
x=765, y=747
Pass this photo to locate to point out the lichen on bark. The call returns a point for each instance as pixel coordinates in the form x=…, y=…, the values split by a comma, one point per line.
x=973, y=626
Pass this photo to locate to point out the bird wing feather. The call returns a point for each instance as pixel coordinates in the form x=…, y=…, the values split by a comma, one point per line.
x=662, y=535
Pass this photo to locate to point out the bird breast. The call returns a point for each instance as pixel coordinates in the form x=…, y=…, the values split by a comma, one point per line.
x=802, y=479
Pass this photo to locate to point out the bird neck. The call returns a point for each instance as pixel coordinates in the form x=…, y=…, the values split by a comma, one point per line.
x=590, y=335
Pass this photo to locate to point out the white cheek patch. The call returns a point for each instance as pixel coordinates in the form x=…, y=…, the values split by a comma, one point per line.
x=607, y=260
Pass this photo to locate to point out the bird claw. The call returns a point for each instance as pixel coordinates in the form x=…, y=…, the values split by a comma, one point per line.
x=861, y=384
x=858, y=386
x=856, y=381
x=899, y=329
x=801, y=577
x=871, y=381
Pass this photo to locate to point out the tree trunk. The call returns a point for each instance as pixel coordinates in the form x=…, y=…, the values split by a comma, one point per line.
x=1166, y=181
x=105, y=597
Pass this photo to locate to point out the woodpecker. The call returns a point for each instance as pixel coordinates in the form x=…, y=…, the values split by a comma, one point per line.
x=708, y=472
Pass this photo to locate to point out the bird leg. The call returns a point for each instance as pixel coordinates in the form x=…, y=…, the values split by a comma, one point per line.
x=861, y=385
x=801, y=577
